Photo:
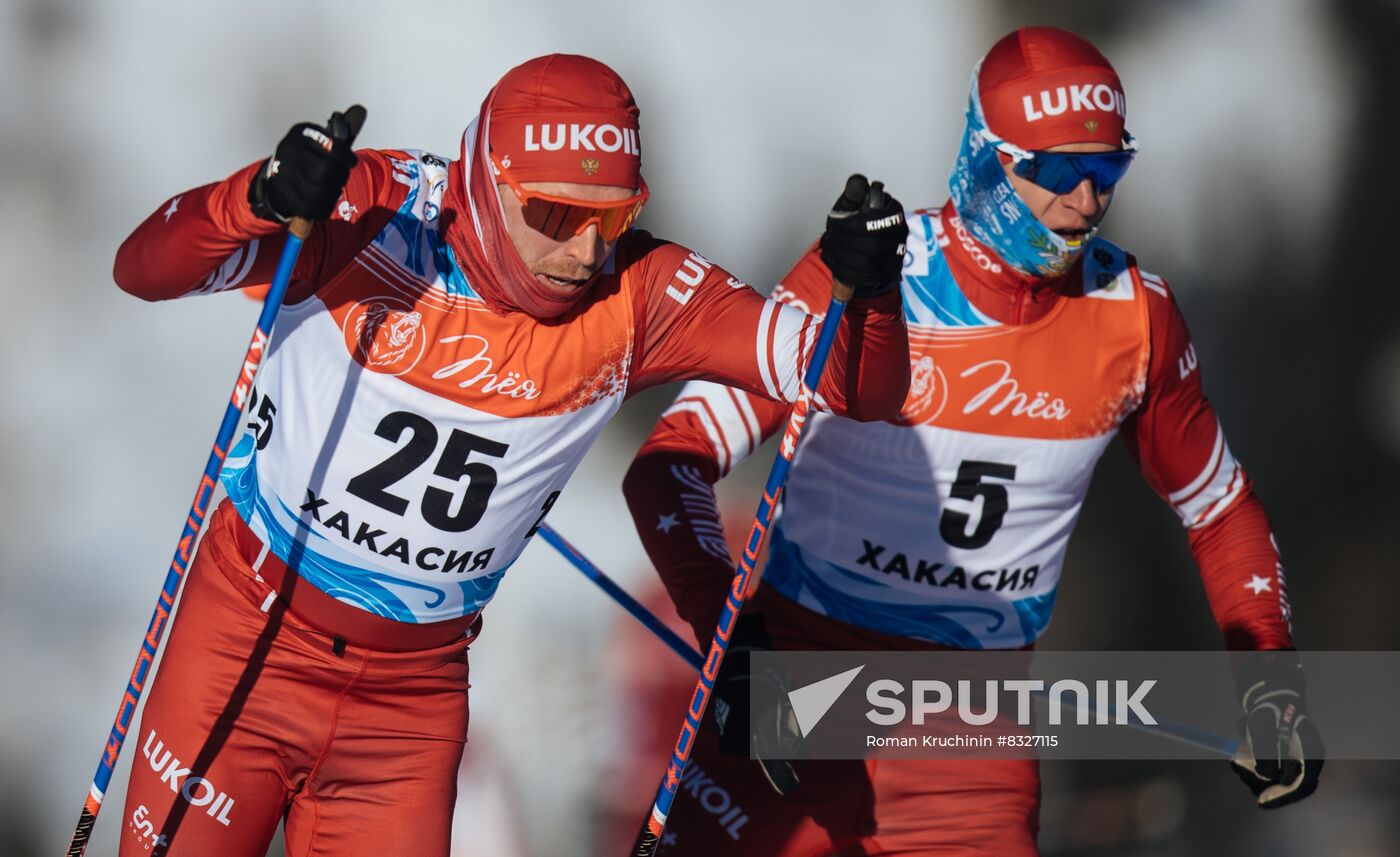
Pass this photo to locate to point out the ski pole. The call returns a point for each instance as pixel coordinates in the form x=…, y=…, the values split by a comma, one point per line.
x=618, y=594
x=1171, y=730
x=299, y=229
x=343, y=127
x=649, y=837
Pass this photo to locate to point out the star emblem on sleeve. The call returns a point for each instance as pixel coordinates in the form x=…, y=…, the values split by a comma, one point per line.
x=666, y=522
x=1258, y=584
x=174, y=206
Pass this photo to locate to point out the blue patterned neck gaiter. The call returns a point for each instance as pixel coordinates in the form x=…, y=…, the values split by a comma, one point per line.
x=995, y=214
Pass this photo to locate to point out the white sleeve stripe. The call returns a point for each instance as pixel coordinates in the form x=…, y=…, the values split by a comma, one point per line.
x=809, y=342
x=1206, y=474
x=764, y=348
x=789, y=328
x=239, y=262
x=702, y=411
x=1224, y=484
x=1236, y=486
x=719, y=403
x=741, y=404
x=248, y=259
x=212, y=281
x=1153, y=282
x=727, y=417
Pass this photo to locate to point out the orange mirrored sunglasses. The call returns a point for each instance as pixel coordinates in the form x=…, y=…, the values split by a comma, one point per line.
x=560, y=218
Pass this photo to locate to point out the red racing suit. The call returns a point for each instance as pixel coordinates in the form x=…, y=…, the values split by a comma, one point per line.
x=947, y=526
x=402, y=444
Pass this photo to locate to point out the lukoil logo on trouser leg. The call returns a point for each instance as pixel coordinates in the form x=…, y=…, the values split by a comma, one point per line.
x=714, y=799
x=196, y=791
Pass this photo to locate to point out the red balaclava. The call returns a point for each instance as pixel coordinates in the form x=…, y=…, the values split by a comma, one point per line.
x=559, y=118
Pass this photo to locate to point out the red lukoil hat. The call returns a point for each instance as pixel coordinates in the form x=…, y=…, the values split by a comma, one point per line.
x=566, y=118
x=1042, y=87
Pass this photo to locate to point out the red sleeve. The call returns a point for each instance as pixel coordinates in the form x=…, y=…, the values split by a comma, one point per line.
x=698, y=322
x=1180, y=447
x=705, y=433
x=208, y=239
x=671, y=497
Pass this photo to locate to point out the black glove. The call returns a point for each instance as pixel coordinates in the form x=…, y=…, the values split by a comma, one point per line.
x=1281, y=756
x=308, y=173
x=863, y=244
x=737, y=722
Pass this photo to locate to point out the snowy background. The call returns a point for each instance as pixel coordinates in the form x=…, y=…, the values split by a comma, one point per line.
x=1263, y=193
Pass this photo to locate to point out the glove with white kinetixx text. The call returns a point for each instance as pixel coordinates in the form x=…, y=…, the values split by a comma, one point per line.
x=308, y=172
x=1281, y=756
x=863, y=244
x=738, y=722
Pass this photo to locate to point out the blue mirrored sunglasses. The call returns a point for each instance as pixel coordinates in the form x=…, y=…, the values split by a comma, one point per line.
x=1061, y=172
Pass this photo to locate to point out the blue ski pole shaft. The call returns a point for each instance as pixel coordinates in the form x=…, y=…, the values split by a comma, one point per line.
x=1168, y=729
x=649, y=837
x=299, y=229
x=618, y=594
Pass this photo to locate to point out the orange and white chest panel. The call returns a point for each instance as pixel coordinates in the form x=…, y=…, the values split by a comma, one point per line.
x=952, y=524
x=403, y=442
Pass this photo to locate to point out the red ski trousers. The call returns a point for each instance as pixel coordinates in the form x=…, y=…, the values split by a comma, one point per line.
x=256, y=716
x=871, y=807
